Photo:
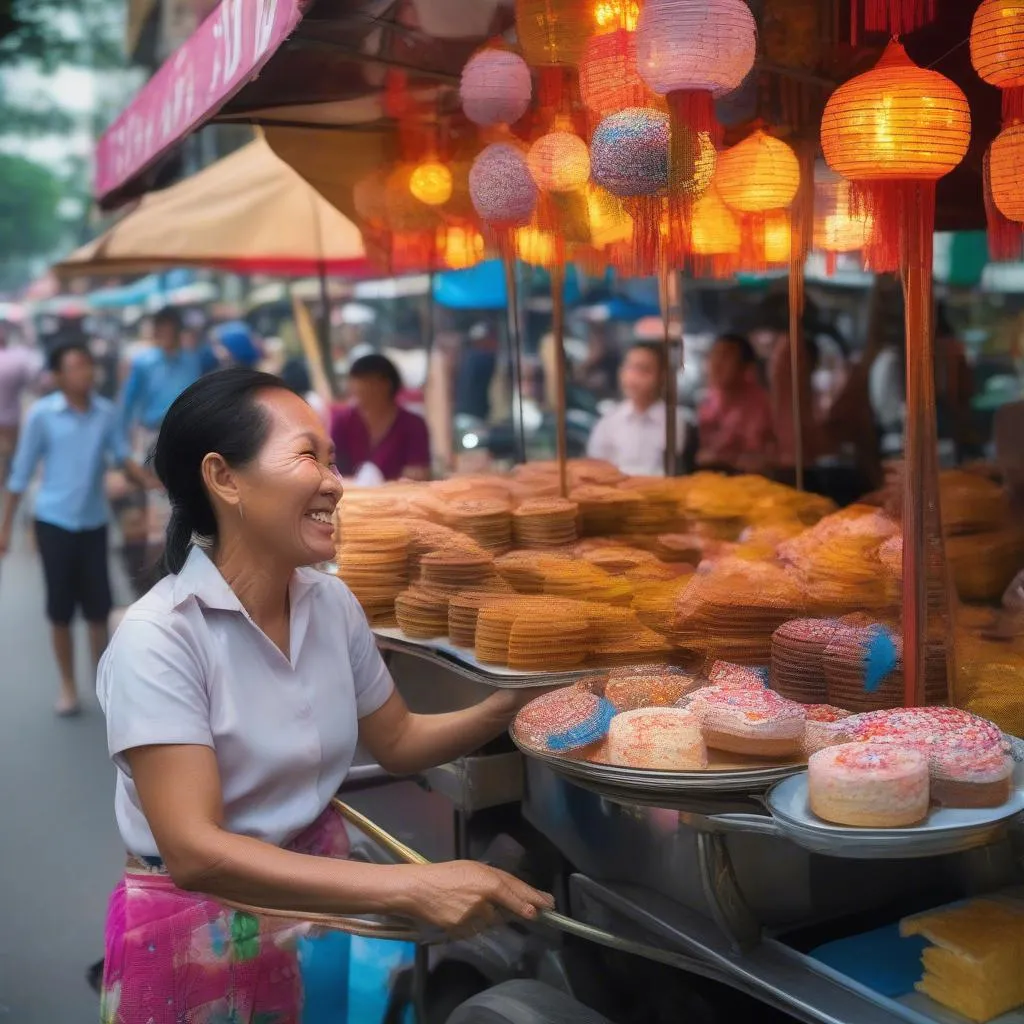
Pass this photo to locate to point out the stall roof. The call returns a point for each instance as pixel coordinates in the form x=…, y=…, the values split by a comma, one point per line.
x=315, y=72
x=289, y=62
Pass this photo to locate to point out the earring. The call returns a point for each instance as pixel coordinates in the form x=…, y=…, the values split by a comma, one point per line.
x=241, y=510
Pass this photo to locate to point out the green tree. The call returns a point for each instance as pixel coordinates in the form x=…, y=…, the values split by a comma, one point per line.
x=49, y=33
x=30, y=197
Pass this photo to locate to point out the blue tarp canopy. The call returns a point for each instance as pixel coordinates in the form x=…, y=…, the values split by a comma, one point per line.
x=483, y=286
x=145, y=290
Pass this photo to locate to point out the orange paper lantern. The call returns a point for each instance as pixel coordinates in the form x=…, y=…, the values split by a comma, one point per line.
x=552, y=32
x=758, y=174
x=559, y=161
x=896, y=122
x=997, y=43
x=778, y=237
x=715, y=236
x=889, y=130
x=431, y=183
x=536, y=247
x=609, y=80
x=609, y=221
x=462, y=247
x=1006, y=165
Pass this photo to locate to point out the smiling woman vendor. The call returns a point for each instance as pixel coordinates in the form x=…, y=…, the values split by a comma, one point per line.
x=234, y=693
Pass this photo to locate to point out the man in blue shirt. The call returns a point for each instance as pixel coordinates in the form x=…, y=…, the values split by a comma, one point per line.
x=76, y=435
x=156, y=378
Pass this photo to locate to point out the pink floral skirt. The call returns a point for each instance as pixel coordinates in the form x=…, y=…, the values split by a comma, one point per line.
x=176, y=957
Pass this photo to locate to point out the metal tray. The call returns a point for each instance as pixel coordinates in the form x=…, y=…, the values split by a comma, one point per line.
x=946, y=830
x=464, y=661
x=656, y=788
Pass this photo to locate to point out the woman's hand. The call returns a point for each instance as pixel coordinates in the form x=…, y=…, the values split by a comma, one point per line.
x=464, y=898
x=509, y=702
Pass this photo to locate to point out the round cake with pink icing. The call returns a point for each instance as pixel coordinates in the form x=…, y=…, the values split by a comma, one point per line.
x=661, y=739
x=869, y=785
x=757, y=722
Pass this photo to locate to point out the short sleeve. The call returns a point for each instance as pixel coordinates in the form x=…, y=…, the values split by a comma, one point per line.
x=150, y=686
x=599, y=443
x=373, y=683
x=419, y=443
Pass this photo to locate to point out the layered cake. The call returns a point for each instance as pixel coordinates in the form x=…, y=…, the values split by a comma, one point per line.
x=657, y=738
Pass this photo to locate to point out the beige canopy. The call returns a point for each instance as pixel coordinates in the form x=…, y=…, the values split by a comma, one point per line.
x=249, y=213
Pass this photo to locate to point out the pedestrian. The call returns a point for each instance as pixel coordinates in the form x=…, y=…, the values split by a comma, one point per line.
x=374, y=430
x=235, y=693
x=632, y=435
x=18, y=368
x=475, y=372
x=158, y=374
x=735, y=418
x=74, y=433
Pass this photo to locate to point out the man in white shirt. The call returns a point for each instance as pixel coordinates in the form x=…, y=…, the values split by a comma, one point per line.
x=632, y=436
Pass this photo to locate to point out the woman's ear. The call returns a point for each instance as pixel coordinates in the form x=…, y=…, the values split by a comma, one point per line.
x=220, y=480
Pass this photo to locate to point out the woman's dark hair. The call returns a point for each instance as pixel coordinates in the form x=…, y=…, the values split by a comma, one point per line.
x=219, y=413
x=376, y=365
x=167, y=317
x=748, y=357
x=55, y=361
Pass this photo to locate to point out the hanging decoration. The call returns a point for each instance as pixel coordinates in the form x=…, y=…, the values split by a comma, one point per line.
x=552, y=34
x=608, y=221
x=503, y=191
x=629, y=158
x=692, y=52
x=431, y=183
x=715, y=237
x=538, y=248
x=759, y=176
x=609, y=80
x=559, y=161
x=893, y=17
x=496, y=87
x=460, y=247
x=893, y=132
x=838, y=227
x=997, y=53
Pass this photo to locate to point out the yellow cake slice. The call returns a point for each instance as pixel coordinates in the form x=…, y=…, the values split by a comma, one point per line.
x=975, y=965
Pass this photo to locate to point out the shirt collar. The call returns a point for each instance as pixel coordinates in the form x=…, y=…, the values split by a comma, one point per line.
x=201, y=579
x=652, y=412
x=61, y=403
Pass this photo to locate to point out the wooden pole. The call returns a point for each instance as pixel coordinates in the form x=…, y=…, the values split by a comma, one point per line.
x=558, y=331
x=667, y=301
x=515, y=365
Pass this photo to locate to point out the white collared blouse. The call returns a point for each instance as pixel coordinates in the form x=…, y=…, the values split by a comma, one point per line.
x=634, y=441
x=188, y=666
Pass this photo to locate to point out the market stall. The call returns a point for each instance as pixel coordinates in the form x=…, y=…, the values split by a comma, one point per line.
x=724, y=771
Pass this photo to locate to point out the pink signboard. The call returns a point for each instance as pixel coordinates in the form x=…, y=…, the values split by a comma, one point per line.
x=227, y=50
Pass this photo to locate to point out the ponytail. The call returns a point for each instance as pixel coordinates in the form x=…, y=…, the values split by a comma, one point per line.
x=219, y=413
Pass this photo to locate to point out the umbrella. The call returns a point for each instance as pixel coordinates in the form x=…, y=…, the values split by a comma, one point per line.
x=248, y=213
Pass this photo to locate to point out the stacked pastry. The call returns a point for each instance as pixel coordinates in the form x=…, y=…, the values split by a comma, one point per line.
x=657, y=509
x=603, y=511
x=373, y=560
x=422, y=613
x=655, y=603
x=548, y=636
x=732, y=611
x=452, y=570
x=494, y=627
x=972, y=503
x=545, y=523
x=573, y=579
x=464, y=608
x=617, y=559
x=488, y=521
x=797, y=662
x=426, y=537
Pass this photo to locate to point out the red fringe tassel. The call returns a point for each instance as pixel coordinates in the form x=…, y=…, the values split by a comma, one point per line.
x=1005, y=237
x=889, y=204
x=894, y=17
x=1013, y=106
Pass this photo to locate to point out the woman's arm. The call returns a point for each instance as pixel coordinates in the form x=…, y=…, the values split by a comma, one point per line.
x=404, y=743
x=179, y=787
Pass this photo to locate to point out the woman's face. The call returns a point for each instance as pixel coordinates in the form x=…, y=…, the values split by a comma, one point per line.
x=289, y=491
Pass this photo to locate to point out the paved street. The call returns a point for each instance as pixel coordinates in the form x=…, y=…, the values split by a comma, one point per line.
x=59, y=851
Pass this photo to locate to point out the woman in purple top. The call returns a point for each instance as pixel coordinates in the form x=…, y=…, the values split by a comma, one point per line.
x=373, y=427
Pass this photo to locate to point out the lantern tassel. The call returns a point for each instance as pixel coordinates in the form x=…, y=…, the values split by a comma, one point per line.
x=894, y=17
x=646, y=212
x=885, y=203
x=692, y=118
x=1005, y=237
x=1013, y=105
